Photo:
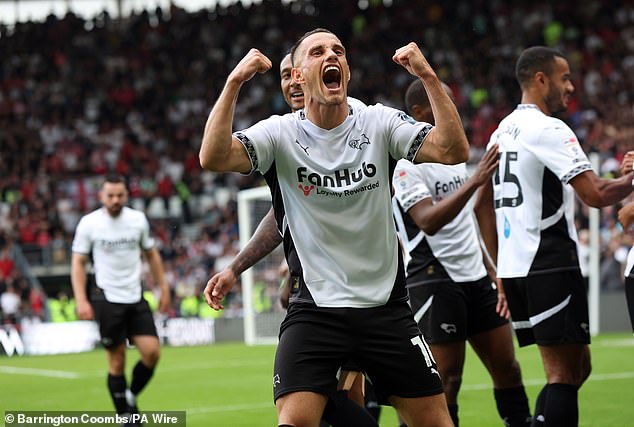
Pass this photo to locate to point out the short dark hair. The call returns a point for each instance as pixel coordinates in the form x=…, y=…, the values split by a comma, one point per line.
x=533, y=60
x=416, y=95
x=302, y=38
x=113, y=178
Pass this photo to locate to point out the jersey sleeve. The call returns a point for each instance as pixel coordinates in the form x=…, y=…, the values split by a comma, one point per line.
x=560, y=151
x=82, y=242
x=409, y=185
x=147, y=241
x=405, y=135
x=260, y=140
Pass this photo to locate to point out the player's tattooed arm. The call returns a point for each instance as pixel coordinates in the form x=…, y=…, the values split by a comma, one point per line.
x=264, y=240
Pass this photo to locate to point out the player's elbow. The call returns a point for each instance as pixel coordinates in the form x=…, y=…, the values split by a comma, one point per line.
x=427, y=226
x=458, y=152
x=430, y=231
x=210, y=163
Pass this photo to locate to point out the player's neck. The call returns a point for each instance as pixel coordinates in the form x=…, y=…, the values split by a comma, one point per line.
x=326, y=116
x=530, y=98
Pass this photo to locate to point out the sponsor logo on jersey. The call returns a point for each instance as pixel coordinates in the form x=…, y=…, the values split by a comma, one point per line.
x=276, y=380
x=507, y=228
x=585, y=327
x=359, y=143
x=322, y=184
x=118, y=244
x=449, y=328
x=306, y=189
x=302, y=147
x=449, y=187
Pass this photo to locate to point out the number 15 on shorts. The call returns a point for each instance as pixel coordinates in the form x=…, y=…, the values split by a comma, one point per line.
x=424, y=348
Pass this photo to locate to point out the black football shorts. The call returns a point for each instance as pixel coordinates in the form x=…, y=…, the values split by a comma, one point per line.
x=120, y=321
x=452, y=312
x=550, y=308
x=384, y=342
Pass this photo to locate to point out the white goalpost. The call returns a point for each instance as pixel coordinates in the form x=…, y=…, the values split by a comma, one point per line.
x=594, y=284
x=260, y=284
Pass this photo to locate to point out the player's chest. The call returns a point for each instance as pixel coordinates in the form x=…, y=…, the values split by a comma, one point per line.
x=111, y=239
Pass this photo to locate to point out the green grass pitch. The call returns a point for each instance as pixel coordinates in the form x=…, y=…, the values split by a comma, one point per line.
x=230, y=385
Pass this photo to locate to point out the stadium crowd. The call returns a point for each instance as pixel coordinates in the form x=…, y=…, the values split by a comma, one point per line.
x=79, y=98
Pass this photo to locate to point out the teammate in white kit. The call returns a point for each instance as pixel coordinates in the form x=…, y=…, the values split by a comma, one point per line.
x=450, y=290
x=329, y=169
x=536, y=244
x=115, y=236
x=626, y=218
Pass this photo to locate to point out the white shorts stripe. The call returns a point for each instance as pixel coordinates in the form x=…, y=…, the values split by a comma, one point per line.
x=421, y=311
x=550, y=312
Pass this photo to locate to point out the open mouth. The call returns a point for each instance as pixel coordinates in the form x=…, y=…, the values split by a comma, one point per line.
x=332, y=77
x=297, y=94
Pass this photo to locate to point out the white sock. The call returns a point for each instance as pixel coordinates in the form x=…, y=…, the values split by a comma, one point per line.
x=130, y=398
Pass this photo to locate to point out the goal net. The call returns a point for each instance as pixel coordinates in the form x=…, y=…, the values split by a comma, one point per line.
x=260, y=284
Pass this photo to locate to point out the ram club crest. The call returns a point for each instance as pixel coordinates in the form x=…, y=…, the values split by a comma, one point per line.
x=359, y=143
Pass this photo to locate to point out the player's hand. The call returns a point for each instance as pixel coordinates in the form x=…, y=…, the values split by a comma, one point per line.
x=84, y=310
x=218, y=287
x=626, y=216
x=502, y=307
x=412, y=59
x=487, y=166
x=626, y=164
x=165, y=301
x=254, y=62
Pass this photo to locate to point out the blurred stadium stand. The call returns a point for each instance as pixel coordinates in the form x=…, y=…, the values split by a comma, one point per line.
x=80, y=96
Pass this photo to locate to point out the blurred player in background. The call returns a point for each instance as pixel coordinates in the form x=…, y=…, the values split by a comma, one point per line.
x=331, y=165
x=626, y=218
x=536, y=242
x=450, y=292
x=340, y=411
x=115, y=236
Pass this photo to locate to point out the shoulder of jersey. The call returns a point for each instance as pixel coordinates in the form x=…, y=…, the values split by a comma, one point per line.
x=356, y=104
x=95, y=213
x=405, y=165
x=133, y=213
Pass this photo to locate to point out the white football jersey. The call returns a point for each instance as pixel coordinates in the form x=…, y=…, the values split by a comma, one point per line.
x=534, y=203
x=115, y=244
x=455, y=246
x=629, y=266
x=332, y=190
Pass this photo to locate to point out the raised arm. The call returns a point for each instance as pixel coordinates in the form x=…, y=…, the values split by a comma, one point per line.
x=78, y=281
x=598, y=192
x=447, y=142
x=265, y=238
x=432, y=217
x=220, y=150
